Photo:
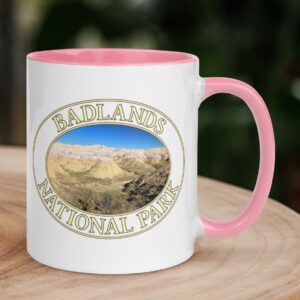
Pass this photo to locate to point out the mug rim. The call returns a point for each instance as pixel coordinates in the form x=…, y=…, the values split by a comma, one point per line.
x=112, y=57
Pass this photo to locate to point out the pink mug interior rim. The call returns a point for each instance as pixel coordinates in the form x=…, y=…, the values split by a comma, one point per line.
x=111, y=57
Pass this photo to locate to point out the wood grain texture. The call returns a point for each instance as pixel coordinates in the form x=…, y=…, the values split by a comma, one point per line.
x=261, y=263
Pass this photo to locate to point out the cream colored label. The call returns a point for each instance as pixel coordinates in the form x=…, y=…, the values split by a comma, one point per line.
x=108, y=168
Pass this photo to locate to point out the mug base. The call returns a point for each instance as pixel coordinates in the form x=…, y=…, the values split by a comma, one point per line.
x=99, y=271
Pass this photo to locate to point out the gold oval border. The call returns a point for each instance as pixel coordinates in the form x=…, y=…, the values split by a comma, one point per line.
x=118, y=101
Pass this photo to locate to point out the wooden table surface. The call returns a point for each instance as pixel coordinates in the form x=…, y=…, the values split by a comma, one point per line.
x=261, y=263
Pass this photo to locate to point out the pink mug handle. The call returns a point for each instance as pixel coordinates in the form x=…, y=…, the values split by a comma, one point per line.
x=262, y=188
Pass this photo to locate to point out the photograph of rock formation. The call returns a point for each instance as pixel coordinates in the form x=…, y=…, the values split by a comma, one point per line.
x=108, y=169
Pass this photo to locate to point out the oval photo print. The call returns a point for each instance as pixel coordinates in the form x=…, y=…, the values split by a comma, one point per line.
x=108, y=169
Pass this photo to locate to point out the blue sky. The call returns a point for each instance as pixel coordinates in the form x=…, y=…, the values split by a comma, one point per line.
x=116, y=136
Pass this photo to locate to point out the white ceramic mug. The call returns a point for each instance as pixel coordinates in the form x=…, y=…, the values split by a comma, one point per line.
x=112, y=156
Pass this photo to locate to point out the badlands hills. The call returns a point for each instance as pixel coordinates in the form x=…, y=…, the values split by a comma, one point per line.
x=106, y=180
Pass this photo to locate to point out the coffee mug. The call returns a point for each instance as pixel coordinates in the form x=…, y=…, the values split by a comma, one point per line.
x=112, y=158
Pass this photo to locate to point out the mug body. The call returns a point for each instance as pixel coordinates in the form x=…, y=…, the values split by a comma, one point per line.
x=112, y=172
